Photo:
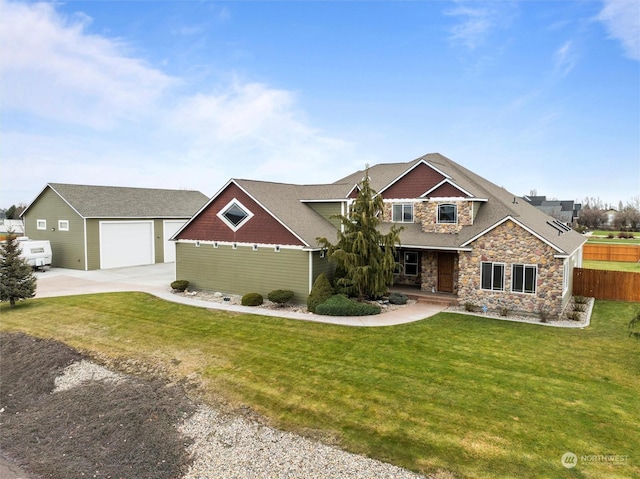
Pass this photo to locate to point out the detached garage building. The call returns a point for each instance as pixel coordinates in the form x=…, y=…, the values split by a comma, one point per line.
x=101, y=227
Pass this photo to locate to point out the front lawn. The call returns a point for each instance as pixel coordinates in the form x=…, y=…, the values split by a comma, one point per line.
x=481, y=398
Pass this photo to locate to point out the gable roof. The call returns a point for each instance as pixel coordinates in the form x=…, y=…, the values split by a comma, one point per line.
x=286, y=203
x=124, y=202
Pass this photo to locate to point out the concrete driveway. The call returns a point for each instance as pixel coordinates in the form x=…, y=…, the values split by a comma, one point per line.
x=156, y=279
x=153, y=279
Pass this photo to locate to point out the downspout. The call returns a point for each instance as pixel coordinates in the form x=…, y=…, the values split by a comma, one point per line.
x=86, y=253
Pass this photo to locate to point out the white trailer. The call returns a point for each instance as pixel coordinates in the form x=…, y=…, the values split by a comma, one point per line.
x=36, y=252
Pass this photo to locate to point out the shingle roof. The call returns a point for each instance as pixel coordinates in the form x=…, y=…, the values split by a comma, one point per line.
x=283, y=201
x=286, y=202
x=123, y=202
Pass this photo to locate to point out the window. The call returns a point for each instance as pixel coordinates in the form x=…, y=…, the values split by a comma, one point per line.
x=523, y=278
x=411, y=263
x=63, y=225
x=41, y=224
x=492, y=276
x=447, y=213
x=402, y=213
x=234, y=214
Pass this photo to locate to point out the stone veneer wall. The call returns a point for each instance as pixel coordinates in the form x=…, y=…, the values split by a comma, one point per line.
x=426, y=213
x=510, y=244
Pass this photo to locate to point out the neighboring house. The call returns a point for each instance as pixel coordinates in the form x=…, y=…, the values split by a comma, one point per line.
x=566, y=211
x=100, y=227
x=462, y=235
x=13, y=226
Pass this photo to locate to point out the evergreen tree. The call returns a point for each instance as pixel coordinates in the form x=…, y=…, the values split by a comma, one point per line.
x=17, y=280
x=365, y=254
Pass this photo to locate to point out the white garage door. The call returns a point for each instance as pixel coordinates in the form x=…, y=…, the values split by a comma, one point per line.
x=126, y=243
x=171, y=227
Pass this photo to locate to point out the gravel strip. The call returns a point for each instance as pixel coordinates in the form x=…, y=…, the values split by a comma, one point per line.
x=237, y=448
x=82, y=371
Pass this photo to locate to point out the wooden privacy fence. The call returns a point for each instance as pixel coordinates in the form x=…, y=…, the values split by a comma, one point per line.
x=612, y=252
x=602, y=284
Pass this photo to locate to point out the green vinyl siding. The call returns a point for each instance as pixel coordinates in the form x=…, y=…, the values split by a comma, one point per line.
x=321, y=264
x=93, y=243
x=243, y=270
x=67, y=247
x=327, y=210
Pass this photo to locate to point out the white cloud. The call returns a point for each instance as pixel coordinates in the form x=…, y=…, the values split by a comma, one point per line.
x=565, y=58
x=478, y=20
x=622, y=20
x=50, y=67
x=81, y=108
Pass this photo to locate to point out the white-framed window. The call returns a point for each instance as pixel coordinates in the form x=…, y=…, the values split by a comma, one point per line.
x=41, y=224
x=235, y=214
x=447, y=213
x=524, y=278
x=492, y=276
x=402, y=213
x=63, y=225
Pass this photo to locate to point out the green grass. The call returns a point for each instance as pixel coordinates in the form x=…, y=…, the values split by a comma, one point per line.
x=602, y=237
x=481, y=398
x=611, y=265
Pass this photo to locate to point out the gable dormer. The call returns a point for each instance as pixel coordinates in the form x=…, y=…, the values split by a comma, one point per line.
x=414, y=183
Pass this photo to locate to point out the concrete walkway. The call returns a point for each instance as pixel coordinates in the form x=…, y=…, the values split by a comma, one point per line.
x=155, y=279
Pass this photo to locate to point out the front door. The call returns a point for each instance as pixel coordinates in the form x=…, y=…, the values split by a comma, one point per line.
x=445, y=272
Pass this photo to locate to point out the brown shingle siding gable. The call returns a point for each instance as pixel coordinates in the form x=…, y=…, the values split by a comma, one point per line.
x=415, y=183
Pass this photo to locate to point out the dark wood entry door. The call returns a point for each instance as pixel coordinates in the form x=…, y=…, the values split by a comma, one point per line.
x=445, y=272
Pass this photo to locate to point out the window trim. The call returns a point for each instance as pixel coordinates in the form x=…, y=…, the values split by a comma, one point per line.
x=225, y=208
x=493, y=266
x=41, y=225
x=525, y=268
x=63, y=225
x=455, y=214
x=402, y=213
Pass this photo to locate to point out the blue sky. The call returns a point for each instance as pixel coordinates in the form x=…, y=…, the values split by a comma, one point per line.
x=540, y=95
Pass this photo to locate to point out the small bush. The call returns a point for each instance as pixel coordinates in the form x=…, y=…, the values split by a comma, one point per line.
x=252, y=299
x=280, y=296
x=320, y=292
x=610, y=236
x=543, y=315
x=504, y=311
x=574, y=315
x=470, y=307
x=340, y=305
x=580, y=307
x=398, y=298
x=580, y=300
x=180, y=284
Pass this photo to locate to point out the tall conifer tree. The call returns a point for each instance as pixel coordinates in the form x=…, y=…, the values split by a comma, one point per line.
x=365, y=254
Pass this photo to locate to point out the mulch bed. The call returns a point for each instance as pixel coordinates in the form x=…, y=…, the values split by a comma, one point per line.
x=99, y=429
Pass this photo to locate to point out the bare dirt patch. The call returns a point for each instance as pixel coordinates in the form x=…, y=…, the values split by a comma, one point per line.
x=100, y=429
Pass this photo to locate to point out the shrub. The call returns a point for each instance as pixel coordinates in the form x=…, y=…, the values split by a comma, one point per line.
x=580, y=307
x=280, y=296
x=252, y=299
x=543, y=315
x=320, y=292
x=610, y=236
x=398, y=298
x=580, y=300
x=340, y=305
x=574, y=315
x=504, y=311
x=470, y=307
x=180, y=284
